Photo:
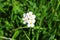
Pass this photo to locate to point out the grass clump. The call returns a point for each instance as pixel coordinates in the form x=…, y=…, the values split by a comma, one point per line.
x=47, y=25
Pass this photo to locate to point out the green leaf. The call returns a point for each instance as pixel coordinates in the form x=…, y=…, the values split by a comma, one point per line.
x=16, y=34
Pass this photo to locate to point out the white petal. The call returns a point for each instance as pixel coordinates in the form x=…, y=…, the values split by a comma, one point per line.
x=30, y=13
x=28, y=25
x=24, y=22
x=33, y=21
x=27, y=14
x=24, y=15
x=25, y=19
x=32, y=25
x=33, y=16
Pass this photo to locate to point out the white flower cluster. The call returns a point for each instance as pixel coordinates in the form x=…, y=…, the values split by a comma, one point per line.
x=29, y=18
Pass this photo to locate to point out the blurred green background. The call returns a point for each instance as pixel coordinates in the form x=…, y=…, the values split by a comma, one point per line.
x=47, y=26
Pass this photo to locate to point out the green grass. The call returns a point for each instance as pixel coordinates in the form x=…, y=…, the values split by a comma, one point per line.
x=47, y=25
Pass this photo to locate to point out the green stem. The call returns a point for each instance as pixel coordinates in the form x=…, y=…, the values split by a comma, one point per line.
x=6, y=38
x=26, y=35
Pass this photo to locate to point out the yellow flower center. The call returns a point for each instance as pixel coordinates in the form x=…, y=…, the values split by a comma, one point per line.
x=30, y=22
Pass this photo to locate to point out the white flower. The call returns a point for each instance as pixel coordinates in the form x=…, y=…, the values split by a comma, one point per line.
x=29, y=18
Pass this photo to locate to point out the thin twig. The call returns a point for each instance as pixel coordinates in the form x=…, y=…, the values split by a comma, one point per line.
x=26, y=27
